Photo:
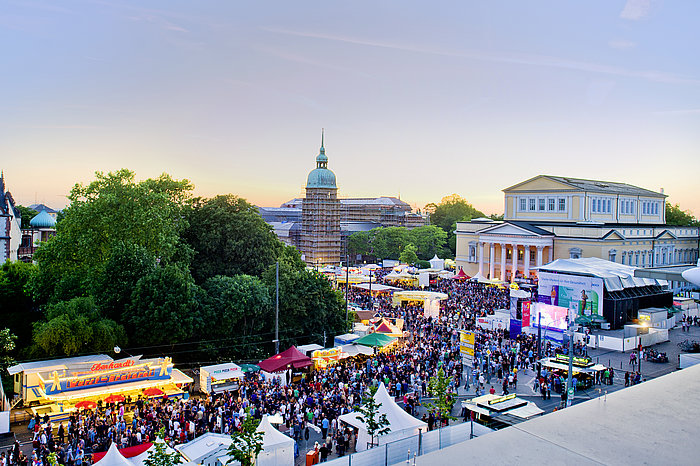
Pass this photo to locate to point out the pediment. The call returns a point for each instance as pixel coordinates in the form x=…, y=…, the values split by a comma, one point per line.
x=666, y=234
x=540, y=183
x=614, y=235
x=507, y=229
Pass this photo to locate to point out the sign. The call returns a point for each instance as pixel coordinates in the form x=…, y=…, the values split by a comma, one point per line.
x=570, y=396
x=501, y=399
x=98, y=375
x=526, y=313
x=466, y=347
x=585, y=294
x=578, y=362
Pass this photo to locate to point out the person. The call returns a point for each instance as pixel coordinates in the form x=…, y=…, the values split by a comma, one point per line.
x=627, y=379
x=324, y=453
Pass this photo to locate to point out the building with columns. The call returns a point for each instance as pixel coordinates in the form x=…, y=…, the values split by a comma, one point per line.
x=551, y=217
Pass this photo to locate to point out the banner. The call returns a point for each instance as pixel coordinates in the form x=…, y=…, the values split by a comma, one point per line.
x=466, y=347
x=526, y=314
x=515, y=328
x=581, y=294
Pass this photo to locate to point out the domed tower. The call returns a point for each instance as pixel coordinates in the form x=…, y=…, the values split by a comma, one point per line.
x=320, y=215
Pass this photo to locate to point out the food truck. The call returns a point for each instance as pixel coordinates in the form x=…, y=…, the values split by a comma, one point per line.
x=54, y=387
x=220, y=377
x=584, y=369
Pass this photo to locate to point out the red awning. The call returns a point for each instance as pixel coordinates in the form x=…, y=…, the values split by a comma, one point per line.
x=461, y=275
x=128, y=452
x=291, y=357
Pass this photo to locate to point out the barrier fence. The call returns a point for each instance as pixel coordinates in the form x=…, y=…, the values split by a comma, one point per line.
x=399, y=451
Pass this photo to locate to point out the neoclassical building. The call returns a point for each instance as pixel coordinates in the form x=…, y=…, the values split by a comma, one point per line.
x=552, y=217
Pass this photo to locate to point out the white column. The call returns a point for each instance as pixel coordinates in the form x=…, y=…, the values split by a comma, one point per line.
x=515, y=262
x=539, y=256
x=481, y=259
x=526, y=257
x=503, y=262
x=492, y=262
x=551, y=253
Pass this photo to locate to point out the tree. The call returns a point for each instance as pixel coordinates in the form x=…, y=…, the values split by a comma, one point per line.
x=368, y=413
x=159, y=456
x=164, y=307
x=241, y=302
x=27, y=215
x=388, y=242
x=246, y=444
x=75, y=327
x=114, y=208
x=429, y=240
x=7, y=347
x=438, y=387
x=16, y=304
x=450, y=210
x=229, y=237
x=676, y=216
x=359, y=243
x=408, y=255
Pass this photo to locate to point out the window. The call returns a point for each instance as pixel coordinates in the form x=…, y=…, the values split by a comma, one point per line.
x=599, y=209
x=636, y=259
x=532, y=204
x=540, y=203
x=609, y=209
x=612, y=255
x=521, y=254
x=593, y=204
x=632, y=207
x=575, y=253
x=562, y=204
x=523, y=204
x=550, y=205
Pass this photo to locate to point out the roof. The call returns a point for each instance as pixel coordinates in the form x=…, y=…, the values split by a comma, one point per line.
x=616, y=276
x=204, y=446
x=271, y=436
x=375, y=339
x=634, y=425
x=43, y=220
x=40, y=207
x=531, y=228
x=398, y=418
x=114, y=458
x=607, y=187
x=55, y=364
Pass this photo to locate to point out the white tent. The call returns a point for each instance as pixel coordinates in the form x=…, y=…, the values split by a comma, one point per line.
x=401, y=423
x=113, y=458
x=278, y=449
x=437, y=263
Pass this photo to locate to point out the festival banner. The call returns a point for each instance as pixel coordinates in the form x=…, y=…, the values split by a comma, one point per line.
x=582, y=294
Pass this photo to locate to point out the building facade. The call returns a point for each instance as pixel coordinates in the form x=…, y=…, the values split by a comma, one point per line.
x=10, y=224
x=551, y=217
x=320, y=216
x=41, y=228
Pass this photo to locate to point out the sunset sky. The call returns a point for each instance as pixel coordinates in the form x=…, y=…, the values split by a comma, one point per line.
x=418, y=99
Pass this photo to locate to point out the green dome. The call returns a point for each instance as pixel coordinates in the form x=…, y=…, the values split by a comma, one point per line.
x=43, y=220
x=321, y=176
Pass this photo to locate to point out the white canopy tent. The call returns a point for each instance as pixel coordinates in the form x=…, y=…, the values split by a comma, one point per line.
x=401, y=423
x=437, y=263
x=616, y=276
x=278, y=449
x=114, y=458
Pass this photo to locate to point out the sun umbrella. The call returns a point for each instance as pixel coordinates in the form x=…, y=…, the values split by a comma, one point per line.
x=583, y=320
x=86, y=404
x=153, y=391
x=114, y=399
x=250, y=367
x=597, y=318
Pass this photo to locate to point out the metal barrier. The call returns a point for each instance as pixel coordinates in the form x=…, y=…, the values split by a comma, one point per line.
x=399, y=451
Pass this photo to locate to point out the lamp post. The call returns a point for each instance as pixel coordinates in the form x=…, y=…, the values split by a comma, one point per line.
x=371, y=303
x=347, y=287
x=539, y=343
x=569, y=387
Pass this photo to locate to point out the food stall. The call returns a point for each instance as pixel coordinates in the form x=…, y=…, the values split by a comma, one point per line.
x=55, y=387
x=584, y=369
x=500, y=411
x=219, y=377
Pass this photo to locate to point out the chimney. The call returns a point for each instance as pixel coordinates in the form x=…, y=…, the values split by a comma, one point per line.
x=662, y=190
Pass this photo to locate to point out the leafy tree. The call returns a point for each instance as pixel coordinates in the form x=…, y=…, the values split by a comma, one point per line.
x=676, y=216
x=359, y=243
x=496, y=216
x=159, y=456
x=165, y=307
x=229, y=237
x=451, y=209
x=246, y=443
x=16, y=305
x=241, y=302
x=389, y=242
x=429, y=241
x=7, y=347
x=116, y=279
x=113, y=208
x=27, y=215
x=368, y=413
x=74, y=327
x=408, y=255
x=438, y=387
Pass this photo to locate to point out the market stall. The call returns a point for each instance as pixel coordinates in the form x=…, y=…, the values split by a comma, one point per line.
x=429, y=299
x=583, y=369
x=220, y=377
x=55, y=387
x=501, y=411
x=377, y=340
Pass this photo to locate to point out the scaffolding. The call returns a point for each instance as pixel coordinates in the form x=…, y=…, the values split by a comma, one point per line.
x=320, y=227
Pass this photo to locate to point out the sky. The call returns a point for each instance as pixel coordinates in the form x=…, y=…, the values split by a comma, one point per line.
x=418, y=99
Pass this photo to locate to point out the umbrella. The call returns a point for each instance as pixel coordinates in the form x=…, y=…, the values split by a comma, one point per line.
x=597, y=318
x=114, y=399
x=250, y=368
x=153, y=391
x=583, y=320
x=86, y=404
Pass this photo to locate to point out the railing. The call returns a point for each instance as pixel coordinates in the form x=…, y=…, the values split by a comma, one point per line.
x=399, y=451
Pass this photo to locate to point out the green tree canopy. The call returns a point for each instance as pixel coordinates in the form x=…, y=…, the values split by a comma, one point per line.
x=229, y=237
x=165, y=307
x=246, y=444
x=429, y=240
x=113, y=208
x=451, y=209
x=677, y=216
x=438, y=388
x=368, y=413
x=16, y=304
x=75, y=327
x=408, y=255
x=27, y=215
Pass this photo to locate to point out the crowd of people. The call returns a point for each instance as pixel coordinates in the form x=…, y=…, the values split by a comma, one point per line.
x=321, y=396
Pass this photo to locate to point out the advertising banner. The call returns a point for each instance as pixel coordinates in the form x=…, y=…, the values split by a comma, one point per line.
x=466, y=347
x=515, y=328
x=581, y=294
x=526, y=313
